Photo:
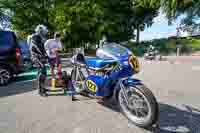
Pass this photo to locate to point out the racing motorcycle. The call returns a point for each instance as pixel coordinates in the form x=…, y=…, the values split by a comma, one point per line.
x=152, y=55
x=110, y=75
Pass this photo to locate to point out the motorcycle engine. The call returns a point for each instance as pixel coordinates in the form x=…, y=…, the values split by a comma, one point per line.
x=100, y=74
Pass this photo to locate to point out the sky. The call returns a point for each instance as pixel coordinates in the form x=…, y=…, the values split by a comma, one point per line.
x=161, y=29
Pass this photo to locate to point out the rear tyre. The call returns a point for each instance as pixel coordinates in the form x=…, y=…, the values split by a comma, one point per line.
x=67, y=80
x=5, y=76
x=143, y=109
x=77, y=79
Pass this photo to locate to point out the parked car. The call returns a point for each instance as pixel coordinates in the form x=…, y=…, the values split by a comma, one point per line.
x=25, y=54
x=11, y=60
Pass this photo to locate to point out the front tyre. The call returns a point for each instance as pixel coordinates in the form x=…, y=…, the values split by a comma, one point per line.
x=143, y=107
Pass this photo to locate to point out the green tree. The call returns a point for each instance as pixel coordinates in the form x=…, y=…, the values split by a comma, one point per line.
x=27, y=14
x=88, y=20
x=144, y=13
x=83, y=21
x=4, y=20
x=190, y=8
x=5, y=16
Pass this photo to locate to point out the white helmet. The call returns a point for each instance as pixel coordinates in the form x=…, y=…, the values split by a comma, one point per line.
x=41, y=29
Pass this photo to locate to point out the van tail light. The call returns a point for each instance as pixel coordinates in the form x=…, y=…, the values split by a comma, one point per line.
x=18, y=55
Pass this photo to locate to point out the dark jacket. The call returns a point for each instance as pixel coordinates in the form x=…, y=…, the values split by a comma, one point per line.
x=37, y=46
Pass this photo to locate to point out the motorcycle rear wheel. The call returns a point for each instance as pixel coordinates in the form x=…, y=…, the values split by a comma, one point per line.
x=137, y=118
x=77, y=83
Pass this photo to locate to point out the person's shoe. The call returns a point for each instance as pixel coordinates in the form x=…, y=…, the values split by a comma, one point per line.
x=74, y=98
x=43, y=94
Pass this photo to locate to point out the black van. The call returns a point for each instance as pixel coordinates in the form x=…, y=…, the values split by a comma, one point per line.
x=11, y=60
x=24, y=47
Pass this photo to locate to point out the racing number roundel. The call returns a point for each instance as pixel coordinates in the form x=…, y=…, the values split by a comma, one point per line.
x=91, y=85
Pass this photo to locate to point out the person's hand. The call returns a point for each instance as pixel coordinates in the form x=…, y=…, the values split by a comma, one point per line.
x=54, y=51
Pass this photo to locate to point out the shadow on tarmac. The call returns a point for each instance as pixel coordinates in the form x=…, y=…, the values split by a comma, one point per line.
x=171, y=119
x=22, y=83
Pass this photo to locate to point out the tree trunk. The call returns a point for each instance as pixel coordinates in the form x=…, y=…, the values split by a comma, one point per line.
x=138, y=34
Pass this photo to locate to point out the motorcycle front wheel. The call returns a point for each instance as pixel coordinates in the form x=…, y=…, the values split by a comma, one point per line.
x=142, y=109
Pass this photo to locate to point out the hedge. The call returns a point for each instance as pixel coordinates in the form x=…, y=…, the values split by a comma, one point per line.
x=166, y=46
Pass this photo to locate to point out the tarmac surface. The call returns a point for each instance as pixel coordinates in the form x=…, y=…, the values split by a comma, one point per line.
x=175, y=83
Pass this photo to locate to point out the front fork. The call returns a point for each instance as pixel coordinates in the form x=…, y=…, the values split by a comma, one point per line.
x=121, y=85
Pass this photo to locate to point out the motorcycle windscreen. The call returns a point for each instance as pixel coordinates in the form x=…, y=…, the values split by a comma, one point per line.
x=112, y=50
